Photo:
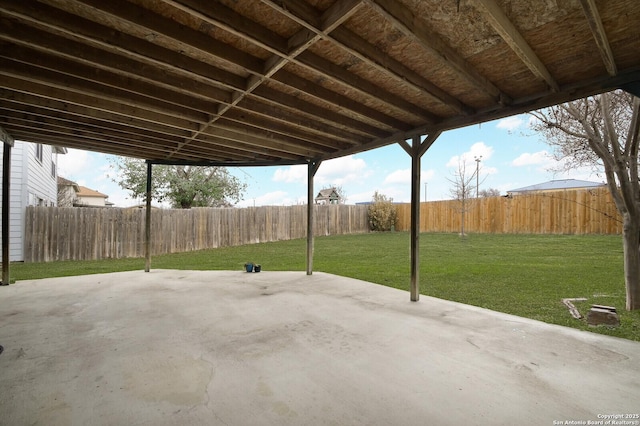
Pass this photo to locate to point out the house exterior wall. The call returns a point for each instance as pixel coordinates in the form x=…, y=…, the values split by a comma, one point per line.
x=91, y=201
x=66, y=196
x=42, y=185
x=32, y=183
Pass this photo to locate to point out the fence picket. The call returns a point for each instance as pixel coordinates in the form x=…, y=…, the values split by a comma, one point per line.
x=54, y=233
x=561, y=212
x=58, y=233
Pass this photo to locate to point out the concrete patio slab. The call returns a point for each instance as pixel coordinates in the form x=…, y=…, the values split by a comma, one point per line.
x=282, y=348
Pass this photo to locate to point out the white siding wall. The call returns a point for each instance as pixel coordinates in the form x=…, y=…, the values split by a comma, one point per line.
x=17, y=199
x=41, y=185
x=31, y=184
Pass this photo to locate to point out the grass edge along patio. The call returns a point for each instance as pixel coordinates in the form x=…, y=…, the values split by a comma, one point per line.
x=524, y=275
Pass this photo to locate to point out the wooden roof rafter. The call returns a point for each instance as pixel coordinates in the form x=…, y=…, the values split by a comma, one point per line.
x=270, y=81
x=357, y=46
x=405, y=21
x=278, y=48
x=599, y=34
x=510, y=34
x=202, y=127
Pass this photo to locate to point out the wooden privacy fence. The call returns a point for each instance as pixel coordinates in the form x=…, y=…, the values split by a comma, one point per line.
x=58, y=233
x=559, y=212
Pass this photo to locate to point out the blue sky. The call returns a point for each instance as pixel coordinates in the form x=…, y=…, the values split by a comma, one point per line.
x=512, y=157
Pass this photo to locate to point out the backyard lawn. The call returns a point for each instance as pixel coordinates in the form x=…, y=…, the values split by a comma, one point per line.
x=525, y=275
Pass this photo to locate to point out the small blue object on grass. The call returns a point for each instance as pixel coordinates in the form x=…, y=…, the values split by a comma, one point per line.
x=248, y=267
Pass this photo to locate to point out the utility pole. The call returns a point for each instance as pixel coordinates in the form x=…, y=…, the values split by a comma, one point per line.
x=425, y=192
x=478, y=159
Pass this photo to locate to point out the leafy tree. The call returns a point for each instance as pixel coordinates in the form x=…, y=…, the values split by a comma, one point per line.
x=383, y=215
x=183, y=186
x=602, y=131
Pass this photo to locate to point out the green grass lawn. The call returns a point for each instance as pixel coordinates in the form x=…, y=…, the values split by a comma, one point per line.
x=525, y=275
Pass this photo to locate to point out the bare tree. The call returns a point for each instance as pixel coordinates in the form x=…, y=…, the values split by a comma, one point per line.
x=491, y=192
x=463, y=189
x=67, y=191
x=602, y=131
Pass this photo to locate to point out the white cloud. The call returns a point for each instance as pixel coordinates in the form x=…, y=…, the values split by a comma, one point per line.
x=403, y=177
x=397, y=194
x=274, y=198
x=341, y=171
x=75, y=162
x=510, y=123
x=426, y=176
x=487, y=171
x=120, y=198
x=338, y=171
x=291, y=174
x=532, y=159
x=477, y=150
x=580, y=173
x=360, y=197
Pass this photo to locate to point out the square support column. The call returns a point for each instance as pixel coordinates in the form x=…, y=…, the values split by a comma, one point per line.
x=312, y=168
x=416, y=150
x=415, y=222
x=147, y=222
x=6, y=184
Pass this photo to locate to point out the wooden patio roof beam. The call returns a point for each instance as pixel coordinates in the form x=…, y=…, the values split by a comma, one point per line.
x=107, y=77
x=295, y=45
x=108, y=93
x=132, y=67
x=308, y=17
x=70, y=109
x=87, y=100
x=403, y=19
x=81, y=87
x=600, y=36
x=510, y=34
x=230, y=21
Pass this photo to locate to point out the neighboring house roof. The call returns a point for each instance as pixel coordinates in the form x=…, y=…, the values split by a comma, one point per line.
x=66, y=182
x=141, y=206
x=86, y=192
x=83, y=196
x=329, y=194
x=556, y=185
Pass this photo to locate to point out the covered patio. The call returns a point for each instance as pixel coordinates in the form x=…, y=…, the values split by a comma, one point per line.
x=279, y=82
x=232, y=348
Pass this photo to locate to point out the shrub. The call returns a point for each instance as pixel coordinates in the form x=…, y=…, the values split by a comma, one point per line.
x=382, y=213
